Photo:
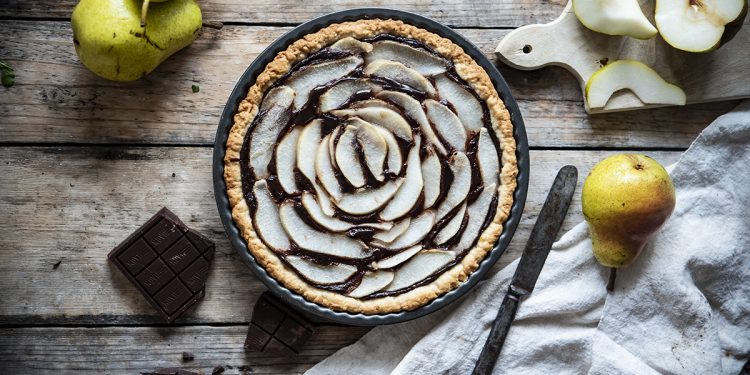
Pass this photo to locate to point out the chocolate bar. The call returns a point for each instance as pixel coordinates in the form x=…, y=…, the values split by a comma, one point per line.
x=276, y=329
x=167, y=262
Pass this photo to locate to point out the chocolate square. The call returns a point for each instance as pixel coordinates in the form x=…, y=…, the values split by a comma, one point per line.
x=167, y=262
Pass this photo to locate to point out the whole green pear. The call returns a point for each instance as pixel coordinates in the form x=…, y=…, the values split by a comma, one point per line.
x=626, y=198
x=111, y=42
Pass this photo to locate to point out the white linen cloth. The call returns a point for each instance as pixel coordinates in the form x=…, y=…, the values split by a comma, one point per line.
x=683, y=307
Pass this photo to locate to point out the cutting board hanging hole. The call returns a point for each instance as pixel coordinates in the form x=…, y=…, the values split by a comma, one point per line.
x=527, y=49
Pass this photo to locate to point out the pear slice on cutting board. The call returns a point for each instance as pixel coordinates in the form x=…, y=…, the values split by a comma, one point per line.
x=696, y=25
x=614, y=17
x=636, y=77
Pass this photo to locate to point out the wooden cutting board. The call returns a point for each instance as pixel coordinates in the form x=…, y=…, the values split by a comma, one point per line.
x=722, y=74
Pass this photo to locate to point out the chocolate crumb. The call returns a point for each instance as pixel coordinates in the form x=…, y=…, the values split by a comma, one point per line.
x=187, y=356
x=173, y=174
x=57, y=264
x=217, y=370
x=245, y=369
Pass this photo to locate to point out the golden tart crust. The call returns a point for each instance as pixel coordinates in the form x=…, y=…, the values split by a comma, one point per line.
x=468, y=70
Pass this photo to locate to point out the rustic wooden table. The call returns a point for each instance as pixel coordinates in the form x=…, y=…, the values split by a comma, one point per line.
x=84, y=161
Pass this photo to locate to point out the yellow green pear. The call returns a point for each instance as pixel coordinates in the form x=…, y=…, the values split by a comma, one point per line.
x=111, y=42
x=626, y=198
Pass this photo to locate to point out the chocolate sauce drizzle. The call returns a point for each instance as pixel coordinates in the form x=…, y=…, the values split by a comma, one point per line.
x=309, y=111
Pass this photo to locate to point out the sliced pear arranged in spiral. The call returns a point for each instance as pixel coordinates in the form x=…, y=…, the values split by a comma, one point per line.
x=324, y=170
x=394, y=158
x=328, y=274
x=459, y=189
x=489, y=162
x=286, y=159
x=467, y=106
x=419, y=267
x=319, y=242
x=431, y=175
x=373, y=146
x=394, y=260
x=447, y=124
x=413, y=109
x=417, y=230
x=306, y=79
x=307, y=147
x=381, y=116
x=453, y=226
x=267, y=220
x=273, y=115
x=408, y=194
x=312, y=206
x=477, y=212
x=388, y=235
x=365, y=201
x=351, y=45
x=347, y=158
x=398, y=72
x=424, y=62
x=372, y=282
x=343, y=91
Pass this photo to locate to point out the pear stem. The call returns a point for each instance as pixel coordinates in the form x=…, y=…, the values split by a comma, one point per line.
x=144, y=11
x=612, y=276
x=213, y=24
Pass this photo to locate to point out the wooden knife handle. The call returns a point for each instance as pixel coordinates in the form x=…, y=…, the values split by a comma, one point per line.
x=495, y=340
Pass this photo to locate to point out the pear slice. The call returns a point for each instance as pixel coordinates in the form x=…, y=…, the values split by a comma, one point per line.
x=268, y=128
x=413, y=108
x=371, y=283
x=267, y=220
x=477, y=212
x=347, y=158
x=453, y=226
x=418, y=229
x=313, y=209
x=368, y=103
x=468, y=108
x=352, y=45
x=431, y=174
x=324, y=243
x=307, y=147
x=387, y=236
x=447, y=124
x=696, y=25
x=635, y=76
x=420, y=267
x=342, y=91
x=394, y=158
x=398, y=72
x=614, y=17
x=381, y=116
x=459, y=189
x=324, y=200
x=286, y=159
x=408, y=194
x=489, y=162
x=324, y=170
x=424, y=62
x=365, y=201
x=306, y=79
x=329, y=274
x=394, y=260
x=373, y=145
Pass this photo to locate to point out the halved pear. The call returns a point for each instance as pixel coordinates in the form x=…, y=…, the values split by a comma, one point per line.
x=395, y=260
x=459, y=189
x=453, y=226
x=696, y=25
x=267, y=219
x=324, y=170
x=489, y=162
x=371, y=283
x=381, y=116
x=312, y=76
x=342, y=91
x=408, y=194
x=398, y=72
x=334, y=273
x=413, y=108
x=324, y=243
x=420, y=60
x=477, y=212
x=419, y=268
x=468, y=108
x=418, y=229
x=387, y=236
x=614, y=17
x=447, y=124
x=431, y=175
x=347, y=158
x=635, y=76
x=286, y=160
x=365, y=201
x=274, y=116
x=352, y=45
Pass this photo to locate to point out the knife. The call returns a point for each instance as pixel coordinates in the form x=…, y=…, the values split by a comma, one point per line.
x=532, y=260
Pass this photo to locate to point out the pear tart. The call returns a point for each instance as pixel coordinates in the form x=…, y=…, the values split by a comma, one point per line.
x=371, y=166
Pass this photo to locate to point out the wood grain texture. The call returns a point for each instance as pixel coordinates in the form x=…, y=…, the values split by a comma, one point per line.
x=57, y=100
x=72, y=205
x=131, y=350
x=566, y=42
x=466, y=13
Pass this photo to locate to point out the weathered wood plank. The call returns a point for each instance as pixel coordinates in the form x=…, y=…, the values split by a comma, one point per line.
x=132, y=350
x=74, y=204
x=467, y=13
x=56, y=100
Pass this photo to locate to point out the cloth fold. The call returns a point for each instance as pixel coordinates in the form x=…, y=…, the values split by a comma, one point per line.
x=683, y=307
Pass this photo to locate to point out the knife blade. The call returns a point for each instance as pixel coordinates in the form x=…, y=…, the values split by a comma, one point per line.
x=532, y=260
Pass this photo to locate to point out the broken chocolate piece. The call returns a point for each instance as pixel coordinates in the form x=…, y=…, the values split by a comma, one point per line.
x=277, y=329
x=187, y=356
x=167, y=261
